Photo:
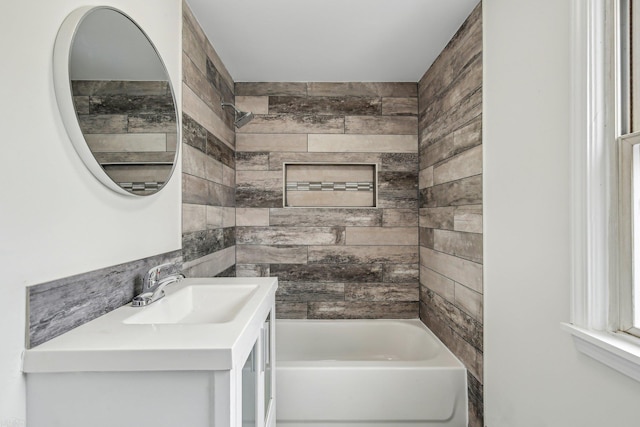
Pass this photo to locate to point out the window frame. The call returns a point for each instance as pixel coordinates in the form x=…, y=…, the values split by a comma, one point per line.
x=598, y=287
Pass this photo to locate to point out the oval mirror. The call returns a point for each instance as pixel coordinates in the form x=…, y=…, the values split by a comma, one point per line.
x=116, y=100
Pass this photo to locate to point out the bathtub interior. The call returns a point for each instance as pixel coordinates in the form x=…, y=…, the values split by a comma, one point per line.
x=365, y=373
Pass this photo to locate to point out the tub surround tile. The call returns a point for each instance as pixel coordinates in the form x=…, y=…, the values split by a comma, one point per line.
x=271, y=89
x=252, y=270
x=327, y=272
x=336, y=143
x=310, y=291
x=363, y=254
x=398, y=90
x=208, y=168
x=266, y=142
x=393, y=125
x=382, y=292
x=290, y=235
x=326, y=275
x=266, y=254
x=254, y=104
x=362, y=310
x=325, y=217
x=450, y=195
x=57, y=307
x=294, y=123
x=339, y=105
x=291, y=310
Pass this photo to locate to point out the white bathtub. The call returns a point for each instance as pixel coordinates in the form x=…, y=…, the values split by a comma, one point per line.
x=366, y=373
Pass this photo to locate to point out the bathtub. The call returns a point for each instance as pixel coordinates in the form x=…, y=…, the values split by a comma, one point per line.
x=366, y=373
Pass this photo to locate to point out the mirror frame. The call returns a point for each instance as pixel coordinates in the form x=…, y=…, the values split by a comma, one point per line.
x=64, y=96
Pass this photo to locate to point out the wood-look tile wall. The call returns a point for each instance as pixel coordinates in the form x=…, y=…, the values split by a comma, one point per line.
x=330, y=262
x=450, y=123
x=208, y=157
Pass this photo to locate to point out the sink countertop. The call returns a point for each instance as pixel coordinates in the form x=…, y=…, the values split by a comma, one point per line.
x=108, y=344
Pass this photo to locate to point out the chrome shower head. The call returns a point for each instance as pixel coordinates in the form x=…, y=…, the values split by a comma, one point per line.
x=241, y=117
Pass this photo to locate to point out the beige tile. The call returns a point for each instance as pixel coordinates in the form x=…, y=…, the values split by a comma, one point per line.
x=277, y=159
x=391, y=125
x=363, y=143
x=468, y=218
x=228, y=176
x=269, y=180
x=252, y=217
x=172, y=141
x=439, y=284
x=228, y=217
x=468, y=163
x=193, y=47
x=463, y=245
x=190, y=19
x=425, y=178
x=469, y=301
x=325, y=217
x=193, y=161
x=441, y=218
x=400, y=217
x=194, y=218
x=213, y=170
x=460, y=270
x=254, y=104
x=149, y=173
x=384, y=292
x=266, y=254
x=215, y=217
x=271, y=142
x=220, y=67
x=211, y=265
x=330, y=199
x=201, y=113
x=399, y=106
x=382, y=236
x=130, y=142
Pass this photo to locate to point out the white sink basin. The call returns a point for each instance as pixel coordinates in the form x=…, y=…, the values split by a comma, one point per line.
x=201, y=324
x=196, y=304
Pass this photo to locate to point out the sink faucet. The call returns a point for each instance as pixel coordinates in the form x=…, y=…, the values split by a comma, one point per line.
x=153, y=286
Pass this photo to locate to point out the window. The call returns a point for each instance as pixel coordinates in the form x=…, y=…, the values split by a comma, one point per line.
x=605, y=318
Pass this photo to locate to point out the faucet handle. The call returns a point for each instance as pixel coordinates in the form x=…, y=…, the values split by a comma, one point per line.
x=152, y=278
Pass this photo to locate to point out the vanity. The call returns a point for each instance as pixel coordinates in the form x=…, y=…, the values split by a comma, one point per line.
x=202, y=356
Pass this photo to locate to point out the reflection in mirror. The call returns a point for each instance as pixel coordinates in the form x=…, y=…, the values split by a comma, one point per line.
x=123, y=101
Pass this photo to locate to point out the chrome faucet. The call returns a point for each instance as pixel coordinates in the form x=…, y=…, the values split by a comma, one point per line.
x=153, y=286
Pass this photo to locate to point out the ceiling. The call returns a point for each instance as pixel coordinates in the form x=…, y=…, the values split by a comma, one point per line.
x=329, y=40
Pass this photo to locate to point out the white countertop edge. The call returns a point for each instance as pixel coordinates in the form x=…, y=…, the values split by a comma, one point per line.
x=70, y=354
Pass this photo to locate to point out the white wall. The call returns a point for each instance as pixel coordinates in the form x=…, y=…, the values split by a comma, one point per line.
x=56, y=220
x=533, y=374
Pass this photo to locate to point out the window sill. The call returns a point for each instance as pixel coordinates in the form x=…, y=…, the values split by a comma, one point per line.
x=615, y=350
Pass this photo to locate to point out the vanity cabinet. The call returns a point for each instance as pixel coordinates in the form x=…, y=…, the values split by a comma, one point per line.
x=224, y=378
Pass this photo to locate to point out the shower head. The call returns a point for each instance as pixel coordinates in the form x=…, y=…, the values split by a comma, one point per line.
x=241, y=117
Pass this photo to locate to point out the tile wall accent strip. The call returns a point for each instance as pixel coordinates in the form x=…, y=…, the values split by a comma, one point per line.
x=61, y=305
x=329, y=186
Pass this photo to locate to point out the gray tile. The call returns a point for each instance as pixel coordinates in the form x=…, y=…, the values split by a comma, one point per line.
x=400, y=217
x=252, y=270
x=291, y=310
x=290, y=235
x=363, y=89
x=310, y=291
x=467, y=191
x=327, y=273
x=463, y=245
x=61, y=305
x=294, y=123
x=256, y=161
x=378, y=254
x=274, y=89
x=401, y=273
x=384, y=292
x=338, y=106
x=400, y=106
x=363, y=310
